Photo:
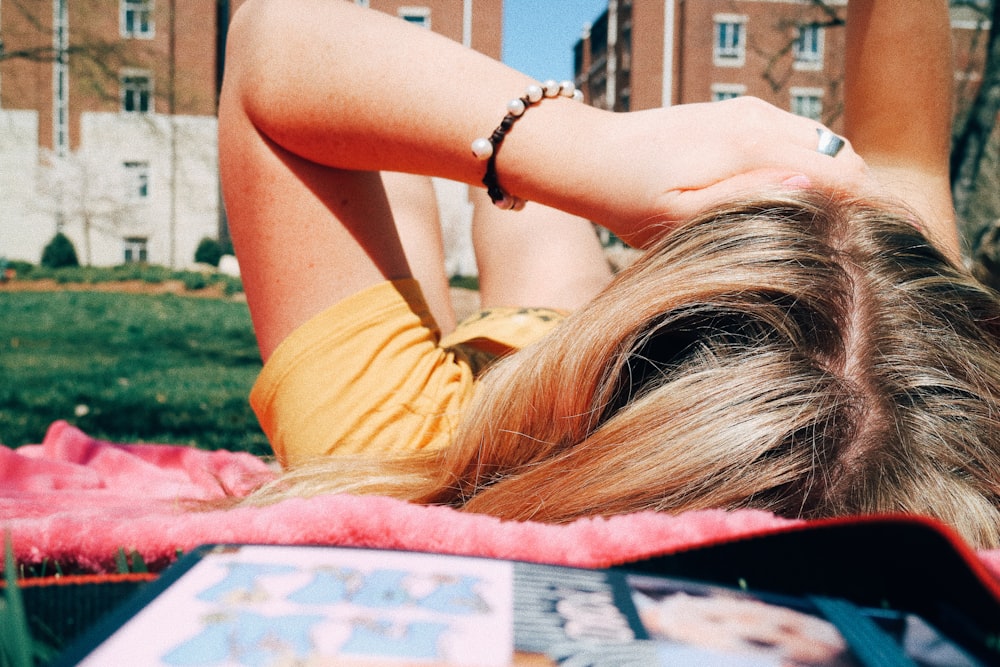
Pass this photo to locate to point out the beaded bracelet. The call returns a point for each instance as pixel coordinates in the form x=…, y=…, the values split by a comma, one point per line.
x=487, y=148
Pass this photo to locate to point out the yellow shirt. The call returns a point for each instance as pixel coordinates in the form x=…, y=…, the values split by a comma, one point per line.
x=370, y=375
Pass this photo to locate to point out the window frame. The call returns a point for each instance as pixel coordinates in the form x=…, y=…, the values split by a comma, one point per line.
x=811, y=58
x=127, y=89
x=136, y=180
x=416, y=15
x=815, y=97
x=137, y=10
x=733, y=52
x=132, y=245
x=727, y=91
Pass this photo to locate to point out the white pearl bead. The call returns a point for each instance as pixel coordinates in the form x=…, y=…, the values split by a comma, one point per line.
x=533, y=93
x=578, y=95
x=482, y=148
x=551, y=88
x=516, y=107
x=567, y=88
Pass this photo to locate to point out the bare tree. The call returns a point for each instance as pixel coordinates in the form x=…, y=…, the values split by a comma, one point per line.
x=85, y=193
x=776, y=73
x=976, y=143
x=28, y=36
x=972, y=161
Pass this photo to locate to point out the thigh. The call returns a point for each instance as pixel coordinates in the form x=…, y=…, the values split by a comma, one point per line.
x=537, y=257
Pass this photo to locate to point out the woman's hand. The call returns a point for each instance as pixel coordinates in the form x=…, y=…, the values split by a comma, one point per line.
x=665, y=165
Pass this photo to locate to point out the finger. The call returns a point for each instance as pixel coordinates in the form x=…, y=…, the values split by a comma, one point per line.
x=681, y=205
x=844, y=172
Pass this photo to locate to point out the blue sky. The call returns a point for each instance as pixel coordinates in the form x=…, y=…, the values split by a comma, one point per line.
x=538, y=35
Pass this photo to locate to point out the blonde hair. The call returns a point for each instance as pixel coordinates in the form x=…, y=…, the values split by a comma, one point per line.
x=804, y=355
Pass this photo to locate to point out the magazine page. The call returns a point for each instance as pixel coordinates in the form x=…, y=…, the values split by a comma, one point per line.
x=271, y=605
x=300, y=605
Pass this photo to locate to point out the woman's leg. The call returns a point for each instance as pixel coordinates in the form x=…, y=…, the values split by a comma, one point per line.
x=307, y=235
x=415, y=209
x=538, y=257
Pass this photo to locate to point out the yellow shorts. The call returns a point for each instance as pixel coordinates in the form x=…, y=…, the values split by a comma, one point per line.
x=370, y=376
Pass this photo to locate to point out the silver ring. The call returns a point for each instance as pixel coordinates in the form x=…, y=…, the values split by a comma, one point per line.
x=829, y=143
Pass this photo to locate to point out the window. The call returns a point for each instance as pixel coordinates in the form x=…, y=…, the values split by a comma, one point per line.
x=727, y=91
x=136, y=181
x=420, y=16
x=808, y=47
x=137, y=92
x=135, y=249
x=730, y=40
x=136, y=18
x=807, y=102
x=625, y=48
x=598, y=93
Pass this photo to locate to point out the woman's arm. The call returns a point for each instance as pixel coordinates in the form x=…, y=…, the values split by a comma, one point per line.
x=346, y=87
x=318, y=95
x=414, y=206
x=898, y=108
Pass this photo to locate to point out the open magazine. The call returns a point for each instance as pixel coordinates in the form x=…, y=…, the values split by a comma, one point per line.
x=317, y=605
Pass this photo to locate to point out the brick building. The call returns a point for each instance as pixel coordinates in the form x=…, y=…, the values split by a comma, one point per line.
x=641, y=54
x=107, y=120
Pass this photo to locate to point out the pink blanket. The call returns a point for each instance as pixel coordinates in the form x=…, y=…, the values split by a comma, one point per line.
x=77, y=500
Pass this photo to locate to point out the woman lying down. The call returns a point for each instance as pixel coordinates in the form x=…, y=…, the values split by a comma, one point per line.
x=799, y=336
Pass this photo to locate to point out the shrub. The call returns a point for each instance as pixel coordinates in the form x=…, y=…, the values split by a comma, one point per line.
x=154, y=273
x=76, y=274
x=209, y=252
x=467, y=282
x=231, y=285
x=59, y=252
x=194, y=281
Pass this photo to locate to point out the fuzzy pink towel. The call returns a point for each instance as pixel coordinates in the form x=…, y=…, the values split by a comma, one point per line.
x=77, y=500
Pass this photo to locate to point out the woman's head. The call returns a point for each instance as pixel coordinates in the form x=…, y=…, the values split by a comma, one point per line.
x=807, y=356
x=804, y=355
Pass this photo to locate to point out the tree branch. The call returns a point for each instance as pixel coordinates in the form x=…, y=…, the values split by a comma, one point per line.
x=969, y=146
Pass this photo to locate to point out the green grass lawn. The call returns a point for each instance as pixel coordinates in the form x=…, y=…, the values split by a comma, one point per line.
x=128, y=368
